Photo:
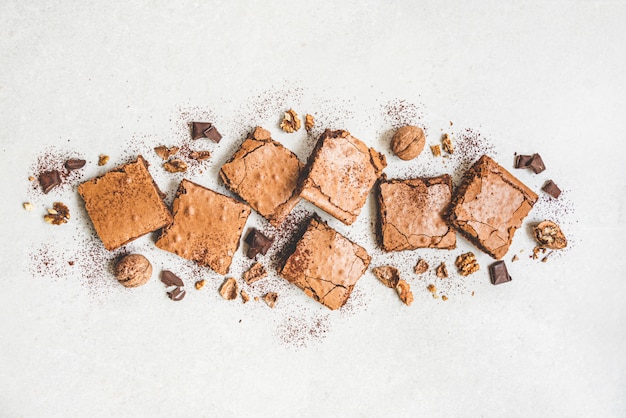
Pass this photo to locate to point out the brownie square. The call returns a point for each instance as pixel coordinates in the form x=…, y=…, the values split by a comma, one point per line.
x=124, y=204
x=207, y=226
x=489, y=206
x=264, y=174
x=325, y=264
x=411, y=214
x=340, y=173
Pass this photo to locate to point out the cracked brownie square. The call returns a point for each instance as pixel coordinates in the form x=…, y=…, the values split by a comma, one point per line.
x=207, y=226
x=325, y=264
x=264, y=174
x=340, y=173
x=489, y=206
x=124, y=204
x=411, y=214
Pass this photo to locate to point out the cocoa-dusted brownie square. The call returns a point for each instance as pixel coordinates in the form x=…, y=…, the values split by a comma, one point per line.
x=411, y=213
x=340, y=173
x=124, y=204
x=264, y=174
x=207, y=226
x=325, y=264
x=489, y=206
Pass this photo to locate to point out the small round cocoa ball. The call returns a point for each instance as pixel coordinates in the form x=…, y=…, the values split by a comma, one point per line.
x=133, y=270
x=408, y=142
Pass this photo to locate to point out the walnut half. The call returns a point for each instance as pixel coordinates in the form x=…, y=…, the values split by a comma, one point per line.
x=548, y=234
x=291, y=122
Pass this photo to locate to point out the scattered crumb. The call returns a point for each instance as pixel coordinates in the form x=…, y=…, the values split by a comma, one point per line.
x=404, y=292
x=103, y=159
x=244, y=296
x=432, y=289
x=165, y=152
x=467, y=264
x=421, y=266
x=446, y=144
x=444, y=298
x=31, y=178
x=200, y=284
x=436, y=149
x=270, y=298
x=291, y=122
x=254, y=273
x=388, y=275
x=58, y=214
x=515, y=258
x=256, y=298
x=442, y=271
x=175, y=165
x=229, y=289
x=309, y=122
x=28, y=206
x=200, y=155
x=472, y=293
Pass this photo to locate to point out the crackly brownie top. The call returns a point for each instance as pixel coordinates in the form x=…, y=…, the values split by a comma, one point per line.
x=207, y=226
x=340, y=173
x=490, y=205
x=124, y=204
x=265, y=174
x=411, y=213
x=325, y=264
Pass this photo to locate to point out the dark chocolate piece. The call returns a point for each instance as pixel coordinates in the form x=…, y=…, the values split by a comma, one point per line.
x=170, y=279
x=536, y=164
x=521, y=161
x=498, y=273
x=49, y=180
x=257, y=243
x=177, y=294
x=75, y=164
x=552, y=189
x=212, y=133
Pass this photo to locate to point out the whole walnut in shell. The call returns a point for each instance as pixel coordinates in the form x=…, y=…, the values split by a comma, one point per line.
x=408, y=142
x=133, y=270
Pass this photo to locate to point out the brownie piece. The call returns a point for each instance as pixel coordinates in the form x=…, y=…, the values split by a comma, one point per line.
x=207, y=226
x=411, y=214
x=124, y=204
x=325, y=264
x=264, y=174
x=340, y=173
x=489, y=206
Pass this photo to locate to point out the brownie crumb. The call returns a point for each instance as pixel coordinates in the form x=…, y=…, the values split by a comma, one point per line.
x=436, y=150
x=270, y=298
x=388, y=275
x=446, y=144
x=442, y=271
x=515, y=258
x=229, y=289
x=444, y=297
x=103, y=159
x=254, y=273
x=433, y=290
x=244, y=296
x=421, y=266
x=200, y=284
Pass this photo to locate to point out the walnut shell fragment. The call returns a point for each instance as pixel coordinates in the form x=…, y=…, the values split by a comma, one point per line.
x=549, y=235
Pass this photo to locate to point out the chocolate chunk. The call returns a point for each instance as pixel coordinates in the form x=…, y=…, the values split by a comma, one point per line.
x=170, y=279
x=177, y=294
x=536, y=164
x=212, y=133
x=498, y=273
x=49, y=180
x=521, y=161
x=257, y=243
x=204, y=130
x=75, y=164
x=552, y=189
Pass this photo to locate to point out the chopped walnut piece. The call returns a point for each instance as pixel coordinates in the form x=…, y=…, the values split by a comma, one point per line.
x=388, y=275
x=515, y=258
x=28, y=206
x=309, y=121
x=538, y=249
x=446, y=144
x=442, y=271
x=404, y=292
x=229, y=289
x=59, y=214
x=103, y=159
x=444, y=298
x=200, y=284
x=254, y=273
x=432, y=289
x=270, y=298
x=421, y=266
x=436, y=150
x=31, y=178
x=244, y=296
x=175, y=165
x=467, y=264
x=548, y=234
x=165, y=152
x=256, y=298
x=291, y=122
x=200, y=155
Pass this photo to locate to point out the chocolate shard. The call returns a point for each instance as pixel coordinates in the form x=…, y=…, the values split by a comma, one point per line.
x=257, y=243
x=176, y=294
x=75, y=164
x=536, y=164
x=49, y=180
x=198, y=128
x=522, y=161
x=552, y=189
x=170, y=279
x=498, y=273
x=212, y=133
